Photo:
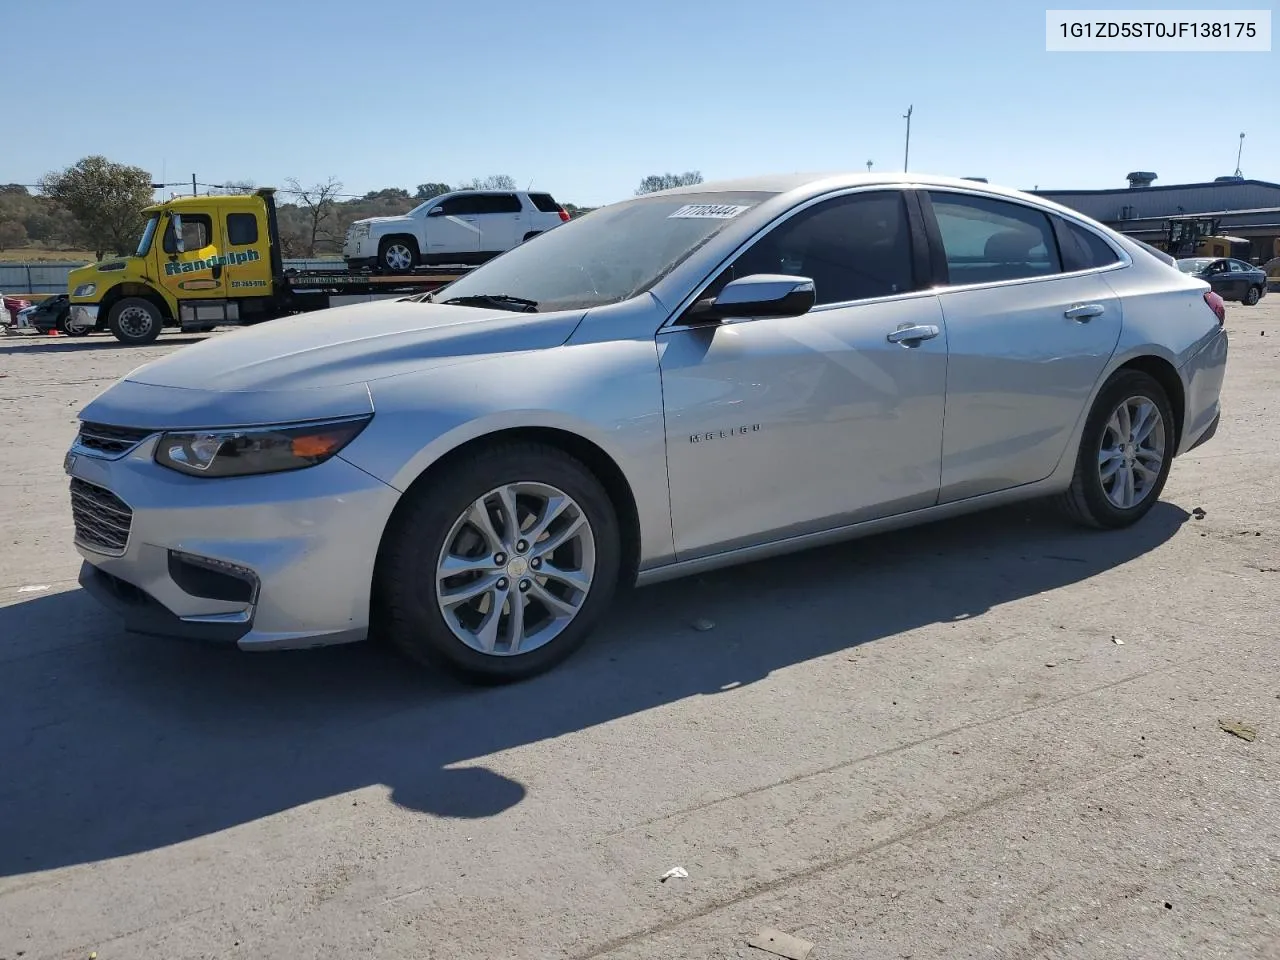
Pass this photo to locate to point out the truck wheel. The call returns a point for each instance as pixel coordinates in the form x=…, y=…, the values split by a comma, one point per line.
x=135, y=321
x=397, y=254
x=1252, y=296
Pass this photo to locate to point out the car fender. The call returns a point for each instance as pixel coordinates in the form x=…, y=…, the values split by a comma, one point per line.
x=606, y=393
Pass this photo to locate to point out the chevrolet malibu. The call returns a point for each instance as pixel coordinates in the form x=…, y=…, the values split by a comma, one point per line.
x=682, y=381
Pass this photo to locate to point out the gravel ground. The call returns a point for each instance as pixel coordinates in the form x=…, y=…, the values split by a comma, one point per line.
x=993, y=737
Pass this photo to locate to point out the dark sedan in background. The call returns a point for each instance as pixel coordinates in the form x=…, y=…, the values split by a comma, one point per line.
x=1230, y=279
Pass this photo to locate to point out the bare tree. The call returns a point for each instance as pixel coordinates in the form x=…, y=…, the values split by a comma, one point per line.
x=318, y=200
x=499, y=181
x=236, y=187
x=666, y=181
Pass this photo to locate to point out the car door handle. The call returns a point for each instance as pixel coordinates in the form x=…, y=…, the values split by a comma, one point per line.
x=1084, y=312
x=913, y=334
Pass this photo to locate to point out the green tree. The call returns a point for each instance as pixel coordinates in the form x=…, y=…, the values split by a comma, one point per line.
x=666, y=181
x=429, y=191
x=106, y=198
x=387, y=193
x=12, y=233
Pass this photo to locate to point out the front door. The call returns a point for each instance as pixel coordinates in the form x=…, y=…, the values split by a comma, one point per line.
x=197, y=272
x=1027, y=343
x=1219, y=276
x=453, y=231
x=783, y=426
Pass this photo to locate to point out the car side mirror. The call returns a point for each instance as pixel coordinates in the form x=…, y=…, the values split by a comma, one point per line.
x=765, y=295
x=436, y=212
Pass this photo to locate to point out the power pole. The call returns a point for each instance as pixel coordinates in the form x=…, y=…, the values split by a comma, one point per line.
x=193, y=185
x=906, y=156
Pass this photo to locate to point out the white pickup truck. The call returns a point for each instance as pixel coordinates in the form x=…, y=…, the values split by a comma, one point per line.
x=464, y=227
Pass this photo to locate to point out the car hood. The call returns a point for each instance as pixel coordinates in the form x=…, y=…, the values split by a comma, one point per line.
x=315, y=365
x=375, y=220
x=365, y=341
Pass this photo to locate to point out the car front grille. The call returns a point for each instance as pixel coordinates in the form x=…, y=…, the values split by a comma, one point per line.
x=110, y=440
x=102, y=519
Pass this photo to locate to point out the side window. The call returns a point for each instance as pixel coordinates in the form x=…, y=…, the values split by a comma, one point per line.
x=1083, y=249
x=545, y=202
x=242, y=229
x=465, y=206
x=853, y=248
x=499, y=203
x=989, y=240
x=1238, y=266
x=197, y=228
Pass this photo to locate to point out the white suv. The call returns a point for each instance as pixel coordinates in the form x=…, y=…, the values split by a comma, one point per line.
x=466, y=227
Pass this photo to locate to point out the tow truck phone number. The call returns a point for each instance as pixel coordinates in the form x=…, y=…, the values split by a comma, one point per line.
x=1107, y=30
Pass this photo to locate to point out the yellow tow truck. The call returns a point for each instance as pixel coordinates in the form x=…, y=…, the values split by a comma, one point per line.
x=210, y=261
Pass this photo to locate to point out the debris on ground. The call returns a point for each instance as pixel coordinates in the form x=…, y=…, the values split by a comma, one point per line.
x=781, y=944
x=1237, y=729
x=675, y=873
x=1117, y=640
x=1198, y=513
x=702, y=624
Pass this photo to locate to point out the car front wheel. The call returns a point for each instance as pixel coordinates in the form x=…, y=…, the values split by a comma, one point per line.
x=1125, y=453
x=499, y=567
x=397, y=255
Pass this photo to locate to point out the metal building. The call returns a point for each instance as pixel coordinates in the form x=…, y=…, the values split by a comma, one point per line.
x=1248, y=210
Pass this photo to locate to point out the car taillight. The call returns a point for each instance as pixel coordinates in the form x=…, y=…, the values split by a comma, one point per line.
x=1217, y=305
x=564, y=215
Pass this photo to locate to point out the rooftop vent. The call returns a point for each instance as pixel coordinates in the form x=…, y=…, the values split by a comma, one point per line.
x=1139, y=179
x=1231, y=179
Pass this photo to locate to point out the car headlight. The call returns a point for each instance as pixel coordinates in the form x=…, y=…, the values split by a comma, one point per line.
x=85, y=290
x=255, y=450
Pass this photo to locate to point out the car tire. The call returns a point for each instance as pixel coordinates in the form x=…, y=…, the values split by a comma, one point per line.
x=530, y=235
x=439, y=523
x=71, y=329
x=135, y=321
x=1252, y=296
x=397, y=254
x=1098, y=496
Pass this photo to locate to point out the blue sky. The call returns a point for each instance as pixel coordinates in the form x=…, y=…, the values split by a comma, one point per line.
x=586, y=98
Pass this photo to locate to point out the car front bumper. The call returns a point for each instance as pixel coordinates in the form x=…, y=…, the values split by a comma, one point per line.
x=266, y=562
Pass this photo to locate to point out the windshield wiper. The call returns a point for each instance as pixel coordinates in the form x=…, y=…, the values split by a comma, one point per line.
x=500, y=300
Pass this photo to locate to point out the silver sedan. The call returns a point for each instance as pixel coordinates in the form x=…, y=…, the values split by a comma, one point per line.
x=673, y=383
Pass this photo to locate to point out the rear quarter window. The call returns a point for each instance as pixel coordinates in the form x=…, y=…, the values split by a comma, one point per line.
x=545, y=202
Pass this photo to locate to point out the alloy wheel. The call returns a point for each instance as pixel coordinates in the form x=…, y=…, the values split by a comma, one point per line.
x=398, y=257
x=515, y=568
x=1132, y=452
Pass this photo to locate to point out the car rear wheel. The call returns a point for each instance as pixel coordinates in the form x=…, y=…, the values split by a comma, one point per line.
x=1252, y=296
x=1125, y=453
x=135, y=321
x=397, y=254
x=499, y=567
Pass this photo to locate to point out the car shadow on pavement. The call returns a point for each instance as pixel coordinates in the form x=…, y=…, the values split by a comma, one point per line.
x=112, y=744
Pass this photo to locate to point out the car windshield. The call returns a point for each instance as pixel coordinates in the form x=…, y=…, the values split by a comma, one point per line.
x=609, y=255
x=148, y=232
x=1194, y=265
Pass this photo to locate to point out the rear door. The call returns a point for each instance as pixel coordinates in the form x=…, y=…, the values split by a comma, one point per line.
x=503, y=222
x=1029, y=334
x=198, y=271
x=453, y=230
x=1241, y=276
x=248, y=267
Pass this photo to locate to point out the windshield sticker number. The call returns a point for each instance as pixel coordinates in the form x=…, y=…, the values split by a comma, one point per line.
x=707, y=211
